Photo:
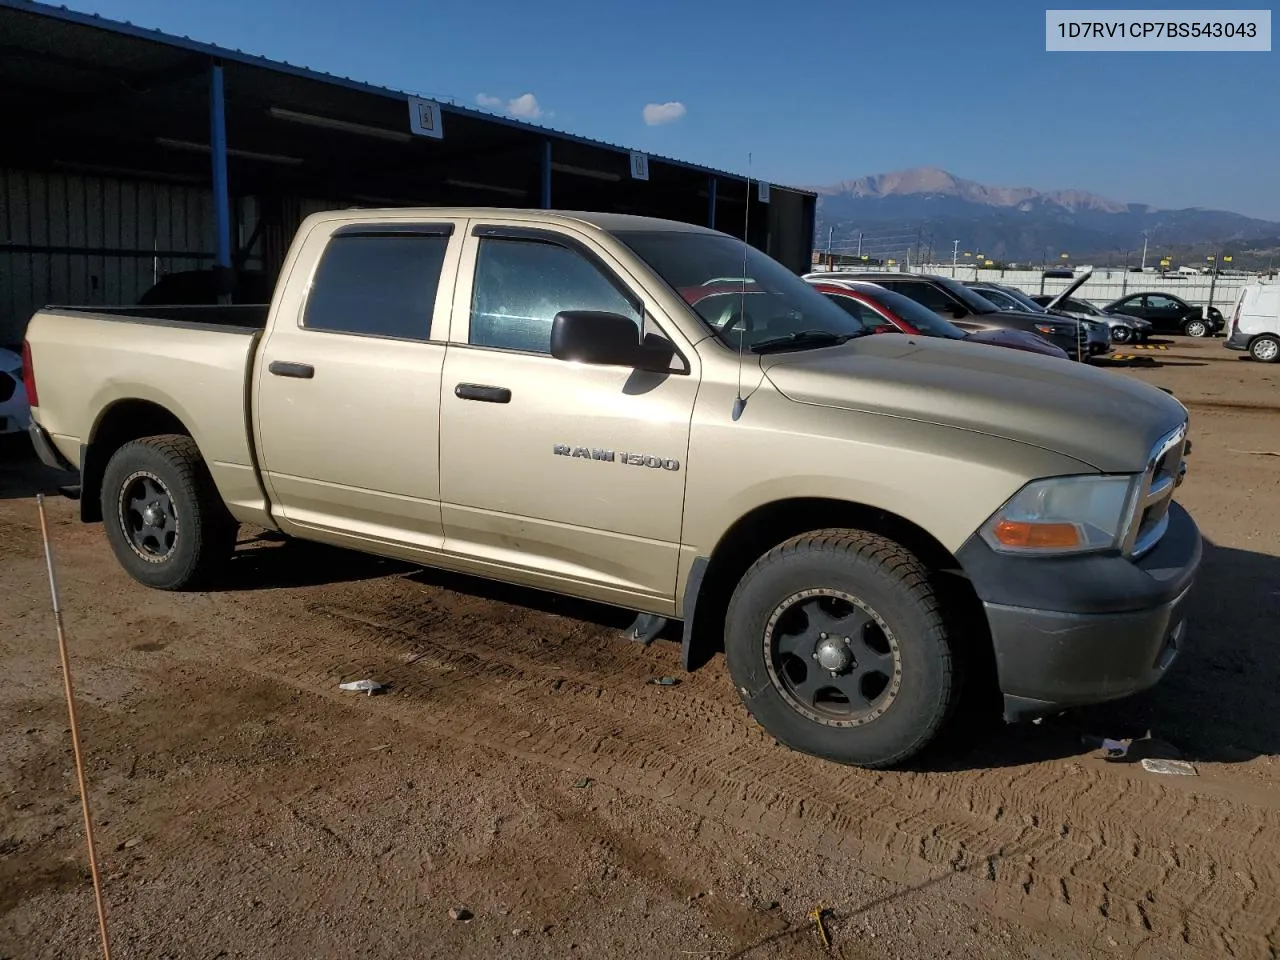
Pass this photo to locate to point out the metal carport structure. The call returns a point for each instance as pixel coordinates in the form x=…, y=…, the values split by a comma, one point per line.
x=129, y=153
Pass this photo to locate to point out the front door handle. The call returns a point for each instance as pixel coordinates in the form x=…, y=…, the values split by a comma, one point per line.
x=286, y=368
x=478, y=391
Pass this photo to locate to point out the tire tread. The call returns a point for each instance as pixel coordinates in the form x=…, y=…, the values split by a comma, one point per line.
x=894, y=560
x=207, y=518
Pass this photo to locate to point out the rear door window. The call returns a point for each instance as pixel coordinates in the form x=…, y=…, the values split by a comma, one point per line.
x=377, y=285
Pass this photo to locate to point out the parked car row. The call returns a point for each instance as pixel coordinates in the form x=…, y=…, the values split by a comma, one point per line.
x=885, y=311
x=1123, y=328
x=974, y=313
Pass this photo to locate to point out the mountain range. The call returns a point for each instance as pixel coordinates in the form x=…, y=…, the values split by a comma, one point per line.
x=922, y=210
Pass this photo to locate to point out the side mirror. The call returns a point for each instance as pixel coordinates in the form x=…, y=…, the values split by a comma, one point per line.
x=607, y=339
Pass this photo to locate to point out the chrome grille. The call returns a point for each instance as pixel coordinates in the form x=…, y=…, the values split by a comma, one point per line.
x=1150, y=510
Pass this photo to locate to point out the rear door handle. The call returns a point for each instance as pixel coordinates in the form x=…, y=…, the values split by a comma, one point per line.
x=286, y=368
x=478, y=391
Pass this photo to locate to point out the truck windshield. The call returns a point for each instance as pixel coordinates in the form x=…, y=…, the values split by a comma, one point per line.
x=768, y=303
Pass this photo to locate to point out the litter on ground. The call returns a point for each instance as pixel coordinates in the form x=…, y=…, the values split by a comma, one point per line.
x=1177, y=768
x=369, y=686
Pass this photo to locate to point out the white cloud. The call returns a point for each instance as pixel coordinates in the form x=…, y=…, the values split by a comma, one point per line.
x=656, y=114
x=525, y=106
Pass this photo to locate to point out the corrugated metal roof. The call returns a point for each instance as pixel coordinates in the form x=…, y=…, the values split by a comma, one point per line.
x=124, y=28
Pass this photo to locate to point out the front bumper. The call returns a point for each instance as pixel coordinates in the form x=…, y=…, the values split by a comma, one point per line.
x=1080, y=630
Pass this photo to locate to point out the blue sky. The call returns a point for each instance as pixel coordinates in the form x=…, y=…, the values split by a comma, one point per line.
x=817, y=93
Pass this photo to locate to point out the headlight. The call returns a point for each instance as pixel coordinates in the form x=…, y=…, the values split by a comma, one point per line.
x=1063, y=515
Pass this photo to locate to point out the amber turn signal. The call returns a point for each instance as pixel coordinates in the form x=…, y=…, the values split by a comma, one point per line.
x=1020, y=533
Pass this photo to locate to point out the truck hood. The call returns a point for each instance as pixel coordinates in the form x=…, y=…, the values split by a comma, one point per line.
x=1103, y=419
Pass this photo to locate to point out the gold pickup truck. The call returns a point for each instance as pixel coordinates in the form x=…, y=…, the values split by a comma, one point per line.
x=652, y=415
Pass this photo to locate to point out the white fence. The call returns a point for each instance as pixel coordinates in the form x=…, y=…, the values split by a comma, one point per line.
x=1105, y=285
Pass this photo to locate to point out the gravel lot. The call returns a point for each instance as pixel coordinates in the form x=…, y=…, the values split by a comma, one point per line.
x=523, y=767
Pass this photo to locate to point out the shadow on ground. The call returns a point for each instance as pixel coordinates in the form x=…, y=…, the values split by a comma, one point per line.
x=1219, y=703
x=22, y=475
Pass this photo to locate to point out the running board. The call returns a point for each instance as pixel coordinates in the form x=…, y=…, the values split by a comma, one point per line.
x=646, y=628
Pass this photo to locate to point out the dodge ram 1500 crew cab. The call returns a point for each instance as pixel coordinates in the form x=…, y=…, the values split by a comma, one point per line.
x=547, y=399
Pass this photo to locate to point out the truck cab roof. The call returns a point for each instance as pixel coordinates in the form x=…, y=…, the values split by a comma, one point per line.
x=609, y=222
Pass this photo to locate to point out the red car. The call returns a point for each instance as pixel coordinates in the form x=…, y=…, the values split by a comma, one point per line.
x=883, y=311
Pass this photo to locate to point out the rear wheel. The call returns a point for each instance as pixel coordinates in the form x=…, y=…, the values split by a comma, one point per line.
x=1196, y=328
x=164, y=518
x=1265, y=349
x=837, y=644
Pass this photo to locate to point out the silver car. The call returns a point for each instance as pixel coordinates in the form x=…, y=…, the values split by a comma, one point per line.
x=1010, y=298
x=1123, y=329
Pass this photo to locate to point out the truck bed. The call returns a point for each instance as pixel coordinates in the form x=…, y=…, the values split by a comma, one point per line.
x=193, y=361
x=242, y=317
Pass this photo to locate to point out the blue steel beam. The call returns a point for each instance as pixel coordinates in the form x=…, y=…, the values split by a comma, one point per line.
x=218, y=149
x=546, y=174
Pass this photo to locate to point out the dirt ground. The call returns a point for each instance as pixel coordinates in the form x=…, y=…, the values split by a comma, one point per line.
x=523, y=766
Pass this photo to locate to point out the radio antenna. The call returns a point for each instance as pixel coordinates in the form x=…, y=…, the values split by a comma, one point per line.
x=740, y=403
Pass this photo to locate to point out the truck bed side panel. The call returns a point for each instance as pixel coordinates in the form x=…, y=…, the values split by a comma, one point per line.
x=86, y=363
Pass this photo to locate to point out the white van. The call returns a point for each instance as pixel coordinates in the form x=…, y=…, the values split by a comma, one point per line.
x=1255, y=322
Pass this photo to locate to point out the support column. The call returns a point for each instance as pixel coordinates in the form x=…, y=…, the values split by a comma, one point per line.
x=546, y=174
x=218, y=149
x=711, y=201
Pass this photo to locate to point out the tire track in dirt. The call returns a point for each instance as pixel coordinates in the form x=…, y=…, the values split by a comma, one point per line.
x=1065, y=845
x=1204, y=403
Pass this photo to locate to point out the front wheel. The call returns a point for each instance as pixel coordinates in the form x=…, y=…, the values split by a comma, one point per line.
x=836, y=642
x=1196, y=328
x=164, y=518
x=1265, y=349
x=1120, y=334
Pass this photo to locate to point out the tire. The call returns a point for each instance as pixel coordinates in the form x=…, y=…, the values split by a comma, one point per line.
x=1196, y=327
x=1265, y=349
x=1120, y=334
x=164, y=519
x=773, y=639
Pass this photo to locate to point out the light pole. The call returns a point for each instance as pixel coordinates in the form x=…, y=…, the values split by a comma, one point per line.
x=1144, y=251
x=955, y=255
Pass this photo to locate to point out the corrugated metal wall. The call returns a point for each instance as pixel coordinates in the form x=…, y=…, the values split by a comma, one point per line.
x=98, y=240
x=69, y=238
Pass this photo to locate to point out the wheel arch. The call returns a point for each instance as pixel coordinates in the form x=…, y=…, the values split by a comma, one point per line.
x=119, y=423
x=713, y=578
